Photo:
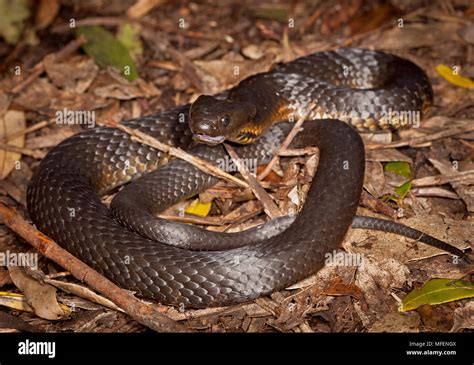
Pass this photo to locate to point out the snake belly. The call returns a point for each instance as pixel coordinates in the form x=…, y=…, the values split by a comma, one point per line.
x=64, y=195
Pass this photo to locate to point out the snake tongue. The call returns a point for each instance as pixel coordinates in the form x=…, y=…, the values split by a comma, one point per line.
x=203, y=138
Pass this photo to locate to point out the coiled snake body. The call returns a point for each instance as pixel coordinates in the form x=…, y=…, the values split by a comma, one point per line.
x=354, y=85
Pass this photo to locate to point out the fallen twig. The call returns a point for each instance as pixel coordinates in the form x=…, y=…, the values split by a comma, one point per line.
x=142, y=7
x=141, y=312
x=414, y=142
x=232, y=218
x=25, y=131
x=295, y=130
x=435, y=192
x=23, y=151
x=268, y=204
x=201, y=164
x=466, y=177
x=194, y=219
x=290, y=152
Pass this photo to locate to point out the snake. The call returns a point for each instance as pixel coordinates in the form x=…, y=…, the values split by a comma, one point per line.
x=352, y=91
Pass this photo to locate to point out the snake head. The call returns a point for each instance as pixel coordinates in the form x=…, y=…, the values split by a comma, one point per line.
x=212, y=121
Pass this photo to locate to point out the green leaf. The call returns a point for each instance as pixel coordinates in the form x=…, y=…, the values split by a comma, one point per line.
x=437, y=291
x=13, y=13
x=403, y=190
x=129, y=36
x=107, y=51
x=399, y=168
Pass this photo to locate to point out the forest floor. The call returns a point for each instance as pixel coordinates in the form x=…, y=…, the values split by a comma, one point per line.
x=180, y=50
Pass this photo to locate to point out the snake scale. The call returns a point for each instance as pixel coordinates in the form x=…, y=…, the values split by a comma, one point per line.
x=356, y=86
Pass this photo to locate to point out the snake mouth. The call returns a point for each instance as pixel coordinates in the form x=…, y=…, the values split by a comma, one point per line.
x=204, y=138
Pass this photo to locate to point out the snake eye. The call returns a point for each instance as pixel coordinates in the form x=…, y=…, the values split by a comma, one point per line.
x=225, y=120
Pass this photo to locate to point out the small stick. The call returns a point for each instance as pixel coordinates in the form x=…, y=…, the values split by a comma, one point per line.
x=296, y=129
x=25, y=131
x=268, y=204
x=217, y=221
x=413, y=142
x=141, y=312
x=201, y=164
x=23, y=151
x=466, y=177
x=428, y=257
x=142, y=7
x=435, y=192
x=194, y=219
x=290, y=152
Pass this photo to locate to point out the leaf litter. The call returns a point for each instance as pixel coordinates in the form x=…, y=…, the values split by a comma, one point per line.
x=176, y=64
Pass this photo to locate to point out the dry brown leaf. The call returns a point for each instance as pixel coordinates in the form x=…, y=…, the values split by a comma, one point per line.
x=233, y=68
x=445, y=167
x=17, y=192
x=44, y=97
x=46, y=12
x=373, y=19
x=83, y=292
x=437, y=318
x=87, y=102
x=397, y=322
x=464, y=317
x=376, y=277
x=41, y=297
x=257, y=51
x=4, y=277
x=51, y=139
x=75, y=74
x=38, y=96
x=374, y=181
x=418, y=35
x=467, y=33
x=11, y=122
x=333, y=18
x=127, y=91
x=272, y=177
x=338, y=287
x=253, y=51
